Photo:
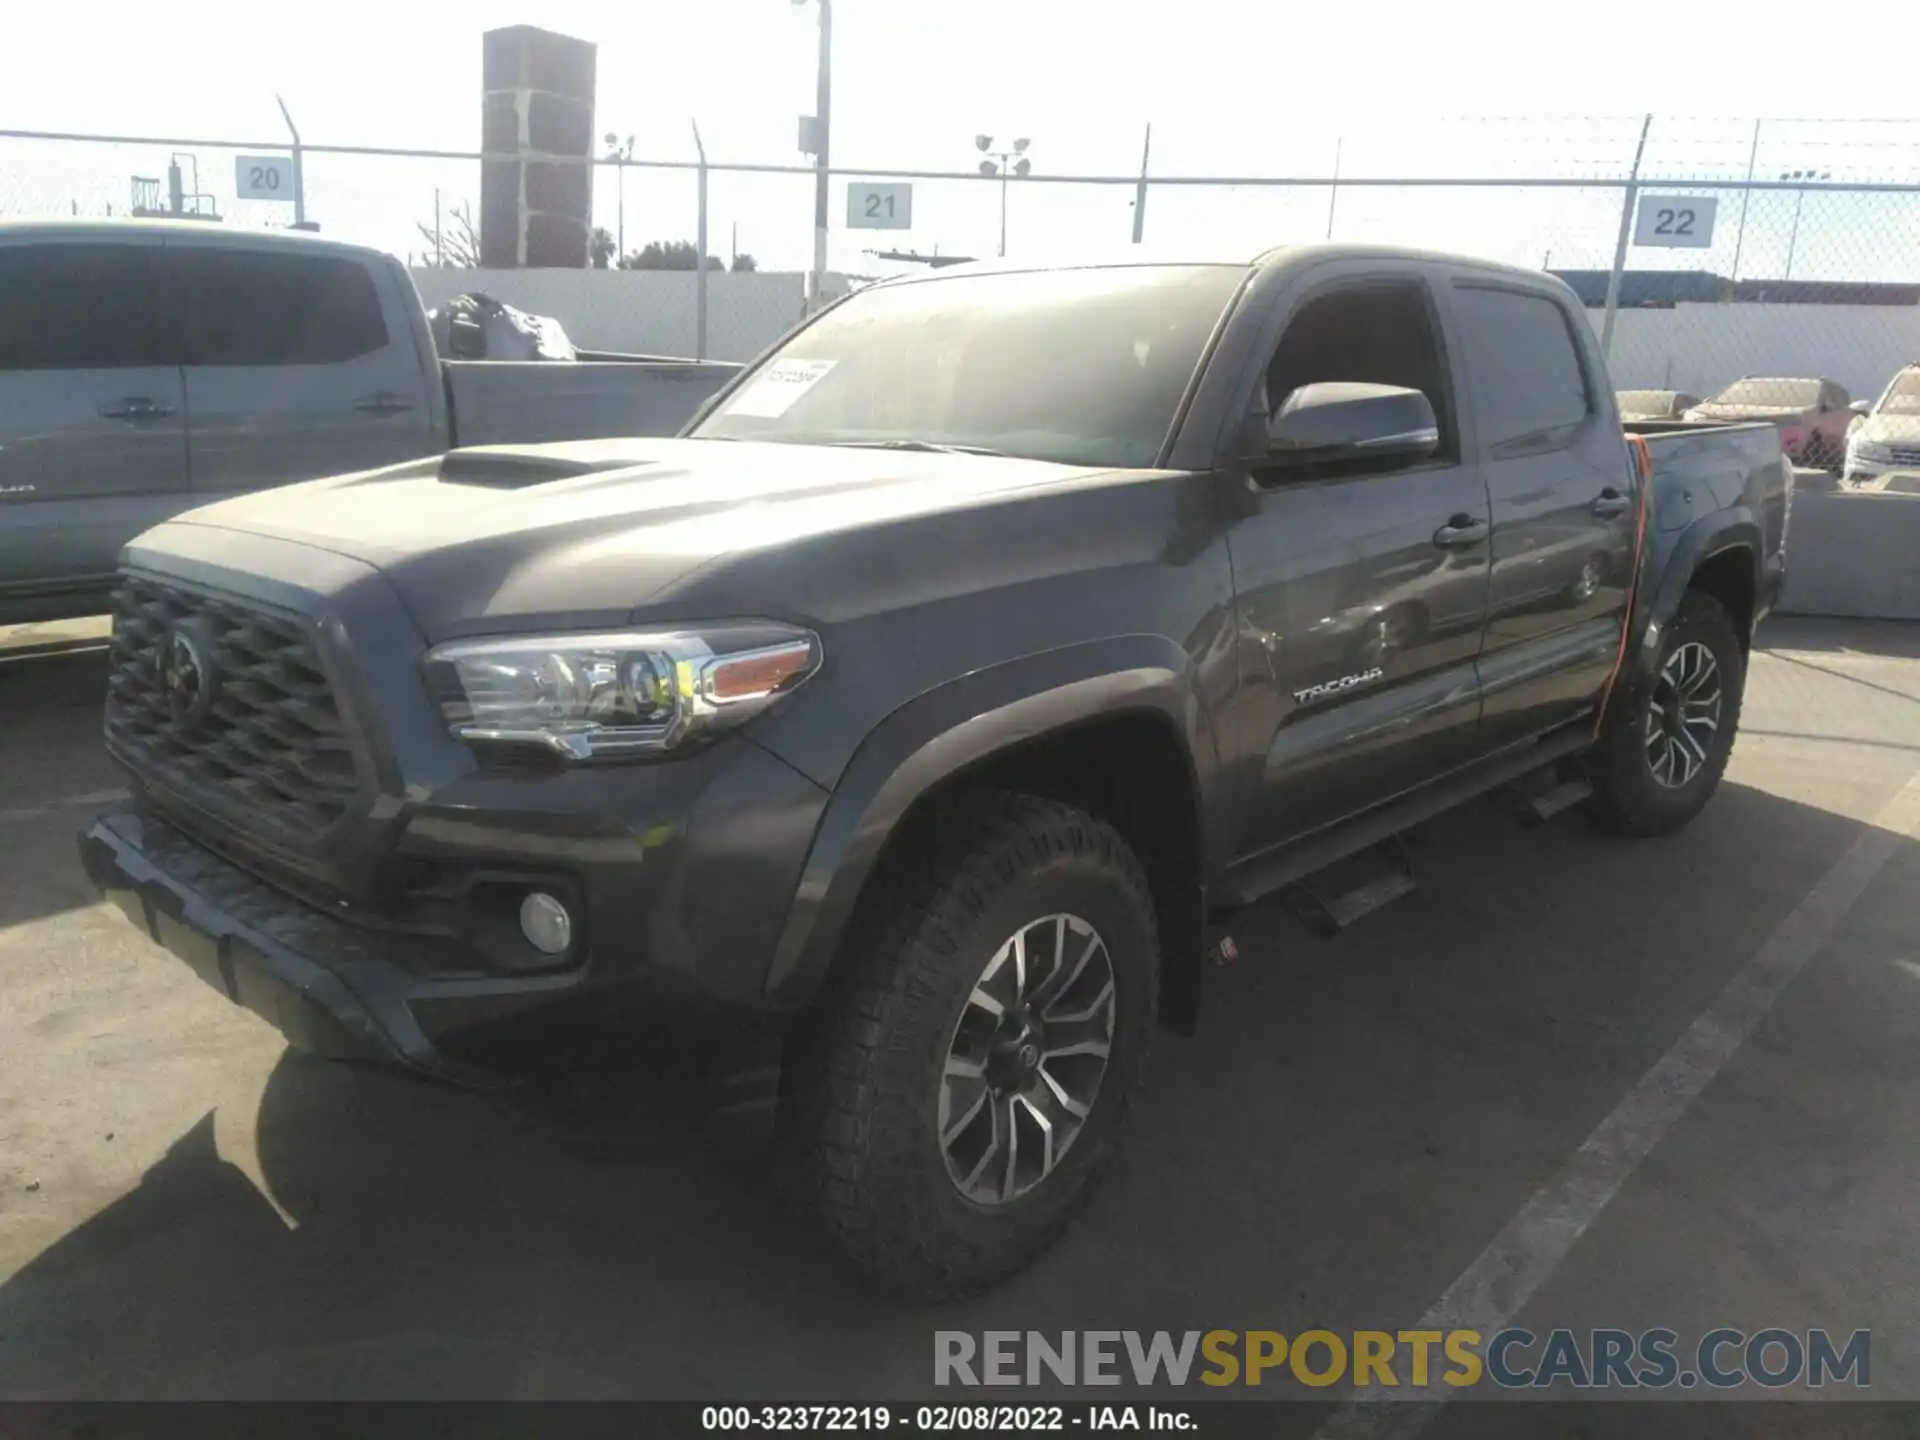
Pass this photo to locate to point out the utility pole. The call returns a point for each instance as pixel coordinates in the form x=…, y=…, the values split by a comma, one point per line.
x=1140, y=190
x=1746, y=198
x=1007, y=164
x=1333, y=196
x=299, y=176
x=620, y=152
x=1620, y=242
x=700, y=247
x=1799, y=199
x=817, y=135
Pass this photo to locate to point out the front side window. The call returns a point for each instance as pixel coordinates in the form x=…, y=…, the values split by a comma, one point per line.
x=1531, y=392
x=75, y=307
x=1083, y=367
x=1376, y=332
x=251, y=307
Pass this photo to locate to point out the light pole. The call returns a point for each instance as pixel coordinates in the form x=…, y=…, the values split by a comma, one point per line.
x=1799, y=199
x=620, y=152
x=816, y=134
x=1006, y=164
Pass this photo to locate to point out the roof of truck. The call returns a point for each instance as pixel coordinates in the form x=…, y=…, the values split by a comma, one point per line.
x=208, y=231
x=1129, y=255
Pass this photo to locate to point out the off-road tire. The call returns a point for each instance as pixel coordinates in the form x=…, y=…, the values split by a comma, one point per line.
x=858, y=1123
x=1627, y=798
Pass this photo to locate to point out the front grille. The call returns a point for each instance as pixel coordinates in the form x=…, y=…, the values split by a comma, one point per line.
x=1904, y=454
x=270, y=741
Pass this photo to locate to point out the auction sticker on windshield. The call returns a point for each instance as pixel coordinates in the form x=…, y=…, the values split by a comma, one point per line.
x=777, y=387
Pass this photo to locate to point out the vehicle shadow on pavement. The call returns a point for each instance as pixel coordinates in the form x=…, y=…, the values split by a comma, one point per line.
x=1357, y=1120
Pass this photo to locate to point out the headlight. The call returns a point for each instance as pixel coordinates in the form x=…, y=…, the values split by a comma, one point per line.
x=594, y=697
x=1871, y=451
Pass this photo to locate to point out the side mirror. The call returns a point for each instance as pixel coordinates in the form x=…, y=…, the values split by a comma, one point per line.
x=1345, y=420
x=1861, y=407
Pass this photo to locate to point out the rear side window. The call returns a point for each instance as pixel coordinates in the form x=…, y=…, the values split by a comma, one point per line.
x=1530, y=390
x=249, y=307
x=75, y=307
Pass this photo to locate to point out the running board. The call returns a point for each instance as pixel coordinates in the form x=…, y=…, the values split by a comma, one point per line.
x=1346, y=892
x=1262, y=874
x=1562, y=797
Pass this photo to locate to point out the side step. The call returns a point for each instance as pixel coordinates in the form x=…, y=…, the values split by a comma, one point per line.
x=1335, y=898
x=1563, y=796
x=1257, y=875
x=1538, y=797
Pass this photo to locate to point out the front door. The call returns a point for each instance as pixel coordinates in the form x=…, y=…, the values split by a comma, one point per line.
x=1361, y=597
x=92, y=426
x=294, y=369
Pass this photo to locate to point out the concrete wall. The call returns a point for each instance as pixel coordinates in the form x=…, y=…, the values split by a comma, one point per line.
x=649, y=312
x=1853, y=553
x=1702, y=348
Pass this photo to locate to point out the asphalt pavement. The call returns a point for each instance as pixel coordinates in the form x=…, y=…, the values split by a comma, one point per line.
x=1578, y=1081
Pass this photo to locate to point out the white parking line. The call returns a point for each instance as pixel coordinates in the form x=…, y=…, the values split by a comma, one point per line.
x=32, y=812
x=1495, y=1287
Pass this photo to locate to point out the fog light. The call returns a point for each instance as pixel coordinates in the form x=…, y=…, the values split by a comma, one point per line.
x=545, y=923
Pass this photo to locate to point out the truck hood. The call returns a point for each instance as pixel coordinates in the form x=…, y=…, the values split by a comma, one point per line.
x=1779, y=414
x=590, y=530
x=1885, y=429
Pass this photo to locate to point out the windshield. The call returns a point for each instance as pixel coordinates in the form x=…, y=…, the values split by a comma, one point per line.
x=1084, y=367
x=1903, y=396
x=1771, y=394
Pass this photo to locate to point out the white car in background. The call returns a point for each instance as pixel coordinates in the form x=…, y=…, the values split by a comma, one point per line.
x=1887, y=441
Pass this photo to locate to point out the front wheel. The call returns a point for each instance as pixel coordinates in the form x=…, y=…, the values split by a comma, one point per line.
x=953, y=1095
x=1666, y=740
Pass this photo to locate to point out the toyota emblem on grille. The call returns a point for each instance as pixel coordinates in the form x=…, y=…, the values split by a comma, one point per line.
x=186, y=673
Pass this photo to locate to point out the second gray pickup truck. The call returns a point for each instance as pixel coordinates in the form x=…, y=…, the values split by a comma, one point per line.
x=934, y=691
x=149, y=367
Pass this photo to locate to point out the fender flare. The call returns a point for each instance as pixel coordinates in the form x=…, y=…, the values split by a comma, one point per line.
x=957, y=725
x=1734, y=528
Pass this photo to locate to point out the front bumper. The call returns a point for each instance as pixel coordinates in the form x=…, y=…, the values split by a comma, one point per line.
x=1857, y=470
x=329, y=988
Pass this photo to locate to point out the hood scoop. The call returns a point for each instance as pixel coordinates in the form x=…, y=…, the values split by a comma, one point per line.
x=506, y=469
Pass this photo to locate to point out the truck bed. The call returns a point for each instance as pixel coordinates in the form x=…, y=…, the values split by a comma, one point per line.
x=498, y=402
x=1699, y=470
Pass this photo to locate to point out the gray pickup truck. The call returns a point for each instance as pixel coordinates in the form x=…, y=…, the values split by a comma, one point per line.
x=150, y=367
x=933, y=692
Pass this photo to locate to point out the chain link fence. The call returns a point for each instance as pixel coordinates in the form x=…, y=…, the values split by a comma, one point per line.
x=1788, y=249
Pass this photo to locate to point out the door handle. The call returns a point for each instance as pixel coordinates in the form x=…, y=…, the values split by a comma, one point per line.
x=383, y=402
x=136, y=407
x=1460, y=531
x=1609, y=504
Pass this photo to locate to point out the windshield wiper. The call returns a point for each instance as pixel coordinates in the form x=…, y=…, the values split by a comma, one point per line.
x=929, y=447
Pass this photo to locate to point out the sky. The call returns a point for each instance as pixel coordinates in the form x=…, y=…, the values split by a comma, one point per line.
x=1234, y=87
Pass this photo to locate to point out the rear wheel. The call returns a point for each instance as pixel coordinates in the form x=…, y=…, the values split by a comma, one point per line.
x=1666, y=739
x=961, y=1083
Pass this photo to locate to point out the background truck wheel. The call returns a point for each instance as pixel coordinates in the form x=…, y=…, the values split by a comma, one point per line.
x=956, y=1089
x=1666, y=741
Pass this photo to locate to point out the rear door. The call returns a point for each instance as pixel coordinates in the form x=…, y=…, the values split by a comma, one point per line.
x=1361, y=595
x=296, y=366
x=1563, y=495
x=93, y=443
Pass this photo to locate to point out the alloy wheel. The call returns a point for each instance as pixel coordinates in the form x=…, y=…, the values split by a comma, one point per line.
x=1025, y=1062
x=1683, y=715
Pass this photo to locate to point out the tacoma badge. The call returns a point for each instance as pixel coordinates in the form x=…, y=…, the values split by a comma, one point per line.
x=1334, y=687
